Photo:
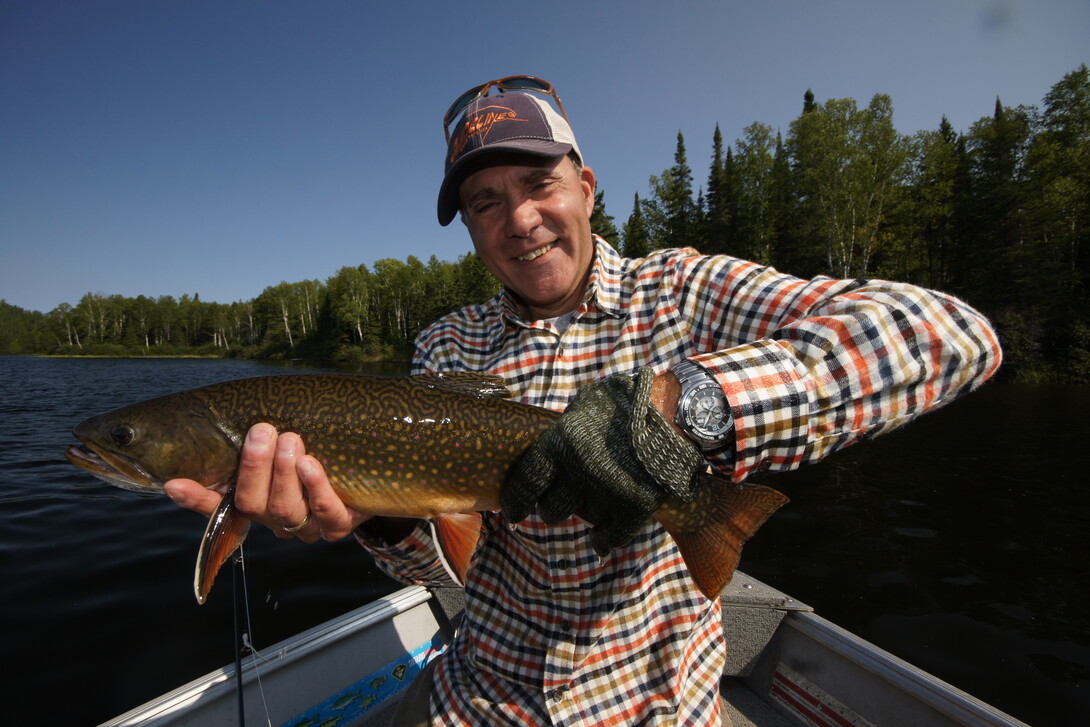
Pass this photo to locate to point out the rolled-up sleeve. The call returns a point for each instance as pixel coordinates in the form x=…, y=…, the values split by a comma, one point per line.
x=811, y=366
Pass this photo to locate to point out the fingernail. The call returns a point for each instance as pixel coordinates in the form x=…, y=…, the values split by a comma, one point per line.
x=176, y=496
x=306, y=468
x=285, y=447
x=259, y=435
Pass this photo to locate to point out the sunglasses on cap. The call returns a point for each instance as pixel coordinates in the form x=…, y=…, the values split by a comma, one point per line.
x=511, y=83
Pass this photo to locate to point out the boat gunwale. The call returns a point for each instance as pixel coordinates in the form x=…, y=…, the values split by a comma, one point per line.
x=940, y=695
x=280, y=655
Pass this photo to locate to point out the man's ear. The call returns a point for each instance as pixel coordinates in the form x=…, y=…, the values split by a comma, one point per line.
x=590, y=186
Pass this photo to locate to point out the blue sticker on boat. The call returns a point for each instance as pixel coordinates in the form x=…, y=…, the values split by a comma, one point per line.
x=350, y=703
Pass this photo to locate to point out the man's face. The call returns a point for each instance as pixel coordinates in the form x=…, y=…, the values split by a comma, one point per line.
x=529, y=220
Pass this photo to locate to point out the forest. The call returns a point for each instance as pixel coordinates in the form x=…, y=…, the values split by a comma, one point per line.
x=997, y=215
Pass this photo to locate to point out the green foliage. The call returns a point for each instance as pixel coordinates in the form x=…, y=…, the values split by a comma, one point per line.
x=637, y=242
x=850, y=165
x=356, y=315
x=670, y=213
x=720, y=207
x=998, y=215
x=755, y=215
x=602, y=223
x=21, y=331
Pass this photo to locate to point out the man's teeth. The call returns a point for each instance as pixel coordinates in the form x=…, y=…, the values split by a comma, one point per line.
x=536, y=253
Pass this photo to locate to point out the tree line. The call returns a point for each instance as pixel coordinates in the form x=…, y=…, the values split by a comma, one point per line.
x=358, y=314
x=997, y=215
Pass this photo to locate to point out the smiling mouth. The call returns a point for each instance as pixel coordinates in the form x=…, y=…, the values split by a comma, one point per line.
x=536, y=253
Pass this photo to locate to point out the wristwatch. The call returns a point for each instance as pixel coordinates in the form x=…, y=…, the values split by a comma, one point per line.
x=702, y=410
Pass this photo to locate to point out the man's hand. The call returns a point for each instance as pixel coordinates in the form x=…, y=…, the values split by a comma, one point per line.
x=279, y=486
x=612, y=456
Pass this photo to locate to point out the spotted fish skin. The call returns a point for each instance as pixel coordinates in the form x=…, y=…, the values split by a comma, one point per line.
x=418, y=446
x=436, y=446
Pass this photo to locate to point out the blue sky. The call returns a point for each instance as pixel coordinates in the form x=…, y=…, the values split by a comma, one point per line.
x=218, y=147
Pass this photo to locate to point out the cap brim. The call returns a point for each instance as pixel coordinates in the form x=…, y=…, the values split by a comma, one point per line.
x=477, y=159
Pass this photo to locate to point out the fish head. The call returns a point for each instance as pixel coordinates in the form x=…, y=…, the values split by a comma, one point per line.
x=141, y=446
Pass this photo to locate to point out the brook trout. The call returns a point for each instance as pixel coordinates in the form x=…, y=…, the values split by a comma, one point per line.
x=435, y=446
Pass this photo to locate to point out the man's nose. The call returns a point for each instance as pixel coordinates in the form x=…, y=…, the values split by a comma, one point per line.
x=522, y=218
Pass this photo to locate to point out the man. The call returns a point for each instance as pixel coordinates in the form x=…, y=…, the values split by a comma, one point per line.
x=579, y=609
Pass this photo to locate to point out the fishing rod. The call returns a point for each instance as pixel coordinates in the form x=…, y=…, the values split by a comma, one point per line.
x=241, y=612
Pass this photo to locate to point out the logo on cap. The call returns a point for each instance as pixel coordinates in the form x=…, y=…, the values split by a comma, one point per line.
x=478, y=126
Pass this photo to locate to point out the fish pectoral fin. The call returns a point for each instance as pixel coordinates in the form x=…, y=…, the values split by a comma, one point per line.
x=711, y=530
x=466, y=383
x=456, y=537
x=224, y=534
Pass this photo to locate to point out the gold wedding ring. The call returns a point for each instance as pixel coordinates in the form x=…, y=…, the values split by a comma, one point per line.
x=298, y=527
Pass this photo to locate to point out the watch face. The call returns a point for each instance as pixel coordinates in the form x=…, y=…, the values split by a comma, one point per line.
x=706, y=412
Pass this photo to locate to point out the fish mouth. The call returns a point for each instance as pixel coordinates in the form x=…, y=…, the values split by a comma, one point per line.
x=114, y=470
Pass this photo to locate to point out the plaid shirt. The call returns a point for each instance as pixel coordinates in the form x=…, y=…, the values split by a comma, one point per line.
x=555, y=635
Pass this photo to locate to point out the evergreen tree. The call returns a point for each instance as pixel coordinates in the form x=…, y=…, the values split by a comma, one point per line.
x=928, y=233
x=699, y=223
x=1057, y=173
x=637, y=242
x=670, y=212
x=730, y=198
x=21, y=331
x=475, y=282
x=602, y=223
x=801, y=249
x=717, y=200
x=997, y=147
x=1059, y=167
x=786, y=238
x=960, y=274
x=754, y=163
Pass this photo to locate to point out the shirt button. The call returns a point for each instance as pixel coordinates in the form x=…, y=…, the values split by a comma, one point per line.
x=558, y=694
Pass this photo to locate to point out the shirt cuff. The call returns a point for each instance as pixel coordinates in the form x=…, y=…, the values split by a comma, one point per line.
x=769, y=402
x=412, y=560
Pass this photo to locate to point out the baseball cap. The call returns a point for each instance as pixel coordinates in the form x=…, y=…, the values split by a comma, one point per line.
x=508, y=122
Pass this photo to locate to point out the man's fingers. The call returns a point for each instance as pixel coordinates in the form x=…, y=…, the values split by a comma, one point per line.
x=280, y=486
x=287, y=501
x=255, y=471
x=331, y=517
x=531, y=476
x=192, y=496
x=560, y=501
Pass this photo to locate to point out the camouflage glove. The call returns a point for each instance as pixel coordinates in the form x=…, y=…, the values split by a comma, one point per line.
x=611, y=456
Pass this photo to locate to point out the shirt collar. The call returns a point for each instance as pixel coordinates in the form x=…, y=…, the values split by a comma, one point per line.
x=604, y=286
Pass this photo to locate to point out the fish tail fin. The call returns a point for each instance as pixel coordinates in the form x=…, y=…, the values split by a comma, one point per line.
x=710, y=531
x=224, y=534
x=456, y=536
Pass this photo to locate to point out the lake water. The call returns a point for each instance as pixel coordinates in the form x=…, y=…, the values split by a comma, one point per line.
x=959, y=543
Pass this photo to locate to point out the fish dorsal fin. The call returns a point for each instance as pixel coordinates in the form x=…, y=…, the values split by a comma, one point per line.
x=466, y=383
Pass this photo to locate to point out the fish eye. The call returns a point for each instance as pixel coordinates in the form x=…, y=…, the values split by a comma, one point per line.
x=123, y=436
